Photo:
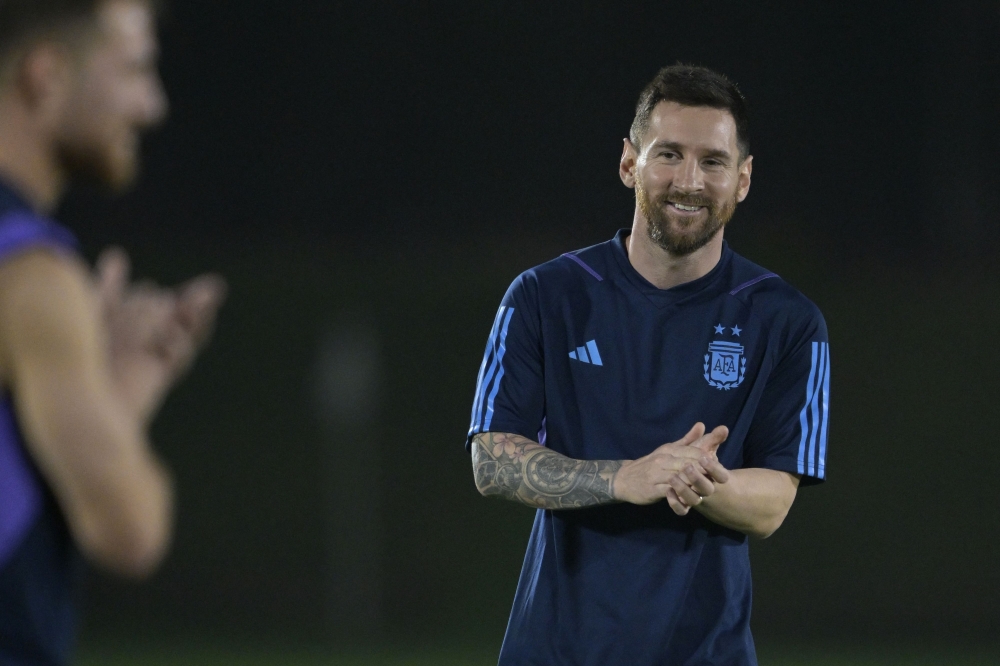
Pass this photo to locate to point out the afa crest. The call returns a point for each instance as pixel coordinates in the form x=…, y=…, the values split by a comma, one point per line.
x=725, y=365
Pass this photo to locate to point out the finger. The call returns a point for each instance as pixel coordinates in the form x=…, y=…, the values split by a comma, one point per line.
x=710, y=443
x=685, y=492
x=177, y=353
x=699, y=482
x=714, y=469
x=198, y=301
x=196, y=306
x=692, y=436
x=147, y=320
x=676, y=457
x=675, y=503
x=112, y=268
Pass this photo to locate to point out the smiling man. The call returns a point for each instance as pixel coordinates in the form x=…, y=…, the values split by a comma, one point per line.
x=598, y=357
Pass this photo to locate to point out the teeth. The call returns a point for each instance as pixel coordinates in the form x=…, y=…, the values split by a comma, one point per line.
x=687, y=208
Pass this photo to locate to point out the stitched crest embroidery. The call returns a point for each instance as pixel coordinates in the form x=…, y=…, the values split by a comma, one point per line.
x=725, y=365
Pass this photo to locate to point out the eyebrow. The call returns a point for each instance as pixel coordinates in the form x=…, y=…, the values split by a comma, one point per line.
x=673, y=145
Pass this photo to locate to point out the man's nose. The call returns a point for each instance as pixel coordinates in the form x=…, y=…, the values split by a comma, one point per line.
x=156, y=106
x=688, y=178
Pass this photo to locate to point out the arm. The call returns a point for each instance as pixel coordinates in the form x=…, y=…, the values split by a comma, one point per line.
x=89, y=445
x=754, y=501
x=515, y=468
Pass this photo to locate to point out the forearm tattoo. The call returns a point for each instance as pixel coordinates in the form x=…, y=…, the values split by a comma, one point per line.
x=516, y=468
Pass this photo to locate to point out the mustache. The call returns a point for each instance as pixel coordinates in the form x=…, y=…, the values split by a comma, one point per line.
x=686, y=200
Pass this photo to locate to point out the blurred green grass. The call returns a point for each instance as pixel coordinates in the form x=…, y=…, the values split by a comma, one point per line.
x=166, y=656
x=218, y=656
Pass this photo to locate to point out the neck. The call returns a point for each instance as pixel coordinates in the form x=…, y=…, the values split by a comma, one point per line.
x=27, y=160
x=661, y=268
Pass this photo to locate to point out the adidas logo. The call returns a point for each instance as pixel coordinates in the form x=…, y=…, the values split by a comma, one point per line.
x=588, y=353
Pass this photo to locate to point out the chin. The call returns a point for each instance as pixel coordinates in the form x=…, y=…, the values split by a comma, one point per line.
x=115, y=170
x=121, y=179
x=117, y=173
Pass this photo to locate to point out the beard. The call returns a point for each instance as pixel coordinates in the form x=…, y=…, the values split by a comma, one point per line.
x=681, y=239
x=111, y=165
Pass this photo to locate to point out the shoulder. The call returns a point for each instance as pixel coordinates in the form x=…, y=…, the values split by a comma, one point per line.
x=38, y=274
x=777, y=303
x=571, y=270
x=46, y=303
x=44, y=285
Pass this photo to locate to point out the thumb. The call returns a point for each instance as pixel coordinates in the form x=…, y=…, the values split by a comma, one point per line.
x=690, y=438
x=693, y=435
x=710, y=443
x=198, y=302
x=112, y=270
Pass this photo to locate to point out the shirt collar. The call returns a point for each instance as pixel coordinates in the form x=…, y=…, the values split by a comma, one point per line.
x=676, y=294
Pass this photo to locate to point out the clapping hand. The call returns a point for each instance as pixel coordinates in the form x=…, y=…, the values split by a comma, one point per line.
x=652, y=478
x=154, y=333
x=689, y=486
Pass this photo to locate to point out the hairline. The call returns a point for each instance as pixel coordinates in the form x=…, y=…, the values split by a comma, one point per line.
x=75, y=32
x=636, y=141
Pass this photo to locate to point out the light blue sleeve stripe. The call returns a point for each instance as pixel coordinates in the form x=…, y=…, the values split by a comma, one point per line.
x=496, y=382
x=483, y=381
x=595, y=356
x=826, y=414
x=803, y=415
x=814, y=432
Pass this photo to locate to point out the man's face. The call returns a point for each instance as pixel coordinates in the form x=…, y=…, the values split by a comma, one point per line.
x=687, y=175
x=116, y=93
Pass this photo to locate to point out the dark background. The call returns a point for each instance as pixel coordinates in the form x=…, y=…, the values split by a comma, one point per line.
x=370, y=177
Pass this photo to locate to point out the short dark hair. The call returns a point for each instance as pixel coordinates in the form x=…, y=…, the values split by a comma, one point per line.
x=690, y=85
x=23, y=21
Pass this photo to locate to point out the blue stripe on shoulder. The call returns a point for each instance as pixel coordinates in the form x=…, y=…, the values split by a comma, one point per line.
x=750, y=283
x=583, y=264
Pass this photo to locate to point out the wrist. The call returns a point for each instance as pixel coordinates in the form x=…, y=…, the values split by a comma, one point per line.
x=617, y=481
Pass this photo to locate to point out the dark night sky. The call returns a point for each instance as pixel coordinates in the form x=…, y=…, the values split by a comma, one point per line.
x=432, y=119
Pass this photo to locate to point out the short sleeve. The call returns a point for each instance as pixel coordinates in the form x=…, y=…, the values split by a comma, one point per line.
x=790, y=425
x=510, y=393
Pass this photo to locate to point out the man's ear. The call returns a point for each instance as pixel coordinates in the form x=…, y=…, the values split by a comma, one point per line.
x=743, y=188
x=626, y=167
x=44, y=76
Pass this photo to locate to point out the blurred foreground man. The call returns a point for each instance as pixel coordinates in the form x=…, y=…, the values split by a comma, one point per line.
x=598, y=357
x=84, y=360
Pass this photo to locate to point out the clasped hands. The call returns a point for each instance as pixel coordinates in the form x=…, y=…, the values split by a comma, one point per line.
x=154, y=332
x=684, y=472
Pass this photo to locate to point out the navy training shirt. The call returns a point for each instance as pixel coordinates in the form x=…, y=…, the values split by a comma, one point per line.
x=591, y=360
x=39, y=564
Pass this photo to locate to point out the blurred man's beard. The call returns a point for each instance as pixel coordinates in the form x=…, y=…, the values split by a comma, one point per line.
x=101, y=166
x=697, y=235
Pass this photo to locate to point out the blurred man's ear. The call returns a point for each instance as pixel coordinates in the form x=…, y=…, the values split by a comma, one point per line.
x=44, y=77
x=746, y=168
x=626, y=167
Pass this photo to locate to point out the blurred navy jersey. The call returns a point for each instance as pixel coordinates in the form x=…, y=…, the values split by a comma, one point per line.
x=38, y=561
x=588, y=358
